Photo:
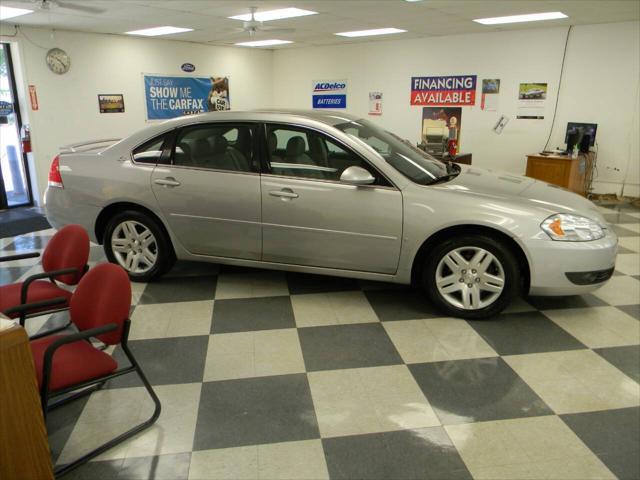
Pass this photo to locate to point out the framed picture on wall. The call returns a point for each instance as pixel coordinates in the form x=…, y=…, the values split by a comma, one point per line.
x=111, y=103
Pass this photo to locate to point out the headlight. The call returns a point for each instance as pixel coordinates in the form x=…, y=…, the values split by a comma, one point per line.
x=572, y=228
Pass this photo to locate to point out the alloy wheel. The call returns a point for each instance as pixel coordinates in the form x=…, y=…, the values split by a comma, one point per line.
x=134, y=246
x=470, y=278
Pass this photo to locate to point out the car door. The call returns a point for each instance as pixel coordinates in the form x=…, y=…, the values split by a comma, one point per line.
x=311, y=218
x=209, y=191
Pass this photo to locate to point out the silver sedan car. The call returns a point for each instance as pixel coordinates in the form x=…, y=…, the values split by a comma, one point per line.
x=333, y=194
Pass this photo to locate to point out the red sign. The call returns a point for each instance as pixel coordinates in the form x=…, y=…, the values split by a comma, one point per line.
x=33, y=96
x=440, y=91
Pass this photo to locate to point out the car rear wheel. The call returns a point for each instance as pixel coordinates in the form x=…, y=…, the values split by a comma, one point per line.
x=138, y=244
x=472, y=276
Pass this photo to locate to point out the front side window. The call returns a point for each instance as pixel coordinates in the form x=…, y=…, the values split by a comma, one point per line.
x=297, y=152
x=150, y=151
x=215, y=147
x=412, y=162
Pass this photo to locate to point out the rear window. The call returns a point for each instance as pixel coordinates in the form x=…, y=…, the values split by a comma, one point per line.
x=151, y=151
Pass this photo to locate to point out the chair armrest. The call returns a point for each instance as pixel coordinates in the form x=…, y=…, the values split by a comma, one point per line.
x=26, y=307
x=66, y=339
x=51, y=275
x=20, y=256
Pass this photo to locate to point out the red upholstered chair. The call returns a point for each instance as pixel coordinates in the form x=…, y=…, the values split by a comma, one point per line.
x=69, y=366
x=64, y=260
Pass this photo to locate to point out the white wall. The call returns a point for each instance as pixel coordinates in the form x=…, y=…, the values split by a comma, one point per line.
x=600, y=85
x=114, y=64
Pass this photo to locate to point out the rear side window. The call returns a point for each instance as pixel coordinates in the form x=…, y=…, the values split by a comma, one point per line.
x=151, y=151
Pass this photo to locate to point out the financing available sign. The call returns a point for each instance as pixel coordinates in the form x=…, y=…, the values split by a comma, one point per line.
x=459, y=90
x=329, y=94
x=170, y=97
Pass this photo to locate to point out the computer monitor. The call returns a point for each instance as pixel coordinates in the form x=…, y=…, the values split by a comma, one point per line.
x=575, y=132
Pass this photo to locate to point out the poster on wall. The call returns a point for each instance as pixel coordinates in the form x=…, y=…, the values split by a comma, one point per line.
x=111, y=103
x=490, y=91
x=329, y=94
x=531, y=101
x=173, y=96
x=375, y=103
x=441, y=129
x=457, y=90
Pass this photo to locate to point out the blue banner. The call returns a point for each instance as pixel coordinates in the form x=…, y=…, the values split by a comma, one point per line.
x=329, y=101
x=170, y=97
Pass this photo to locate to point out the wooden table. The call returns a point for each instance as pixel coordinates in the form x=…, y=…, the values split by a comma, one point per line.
x=24, y=446
x=561, y=170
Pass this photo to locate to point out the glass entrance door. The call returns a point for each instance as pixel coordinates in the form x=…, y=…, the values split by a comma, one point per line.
x=14, y=177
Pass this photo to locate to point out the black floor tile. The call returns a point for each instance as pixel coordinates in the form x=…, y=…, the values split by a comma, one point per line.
x=574, y=301
x=60, y=423
x=301, y=283
x=425, y=453
x=347, y=346
x=613, y=435
x=465, y=391
x=104, y=470
x=620, y=217
x=248, y=314
x=164, y=361
x=622, y=249
x=627, y=359
x=182, y=289
x=96, y=254
x=184, y=268
x=254, y=411
x=623, y=232
x=633, y=310
x=12, y=274
x=404, y=304
x=527, y=332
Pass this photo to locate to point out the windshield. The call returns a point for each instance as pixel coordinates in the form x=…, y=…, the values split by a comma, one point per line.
x=412, y=162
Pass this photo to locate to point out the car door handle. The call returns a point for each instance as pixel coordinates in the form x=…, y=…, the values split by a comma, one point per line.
x=167, y=182
x=286, y=193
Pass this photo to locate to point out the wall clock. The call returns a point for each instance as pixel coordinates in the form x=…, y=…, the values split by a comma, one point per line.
x=58, y=61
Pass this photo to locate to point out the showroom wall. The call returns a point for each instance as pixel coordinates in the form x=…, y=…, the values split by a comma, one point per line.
x=600, y=85
x=68, y=104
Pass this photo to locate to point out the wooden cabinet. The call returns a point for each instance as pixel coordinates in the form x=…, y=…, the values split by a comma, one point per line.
x=561, y=170
x=24, y=447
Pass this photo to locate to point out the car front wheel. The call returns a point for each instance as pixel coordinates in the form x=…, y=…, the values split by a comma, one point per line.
x=471, y=277
x=137, y=243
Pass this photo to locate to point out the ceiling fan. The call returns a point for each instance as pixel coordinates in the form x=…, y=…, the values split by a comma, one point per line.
x=253, y=26
x=48, y=4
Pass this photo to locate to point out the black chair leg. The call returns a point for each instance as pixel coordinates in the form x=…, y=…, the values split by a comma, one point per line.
x=129, y=433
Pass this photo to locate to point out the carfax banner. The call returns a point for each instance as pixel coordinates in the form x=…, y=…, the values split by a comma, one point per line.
x=329, y=94
x=170, y=97
x=459, y=90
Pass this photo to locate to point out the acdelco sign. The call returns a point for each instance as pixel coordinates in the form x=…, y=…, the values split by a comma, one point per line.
x=329, y=87
x=329, y=94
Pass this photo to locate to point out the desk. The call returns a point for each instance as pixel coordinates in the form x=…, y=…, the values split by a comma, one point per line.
x=24, y=447
x=561, y=170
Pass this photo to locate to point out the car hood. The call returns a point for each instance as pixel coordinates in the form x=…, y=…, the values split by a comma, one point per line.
x=511, y=188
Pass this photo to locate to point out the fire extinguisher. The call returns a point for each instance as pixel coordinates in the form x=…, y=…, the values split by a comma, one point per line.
x=453, y=147
x=25, y=138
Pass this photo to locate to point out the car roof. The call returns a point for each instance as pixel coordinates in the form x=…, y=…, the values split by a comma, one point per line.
x=302, y=117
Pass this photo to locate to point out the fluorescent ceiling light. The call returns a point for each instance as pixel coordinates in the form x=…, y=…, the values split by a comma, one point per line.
x=366, y=33
x=275, y=14
x=156, y=31
x=10, y=12
x=263, y=43
x=530, y=17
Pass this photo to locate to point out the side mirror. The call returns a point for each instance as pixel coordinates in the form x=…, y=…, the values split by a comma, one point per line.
x=357, y=176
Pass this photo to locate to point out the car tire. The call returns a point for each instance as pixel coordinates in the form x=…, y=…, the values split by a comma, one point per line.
x=480, y=288
x=136, y=241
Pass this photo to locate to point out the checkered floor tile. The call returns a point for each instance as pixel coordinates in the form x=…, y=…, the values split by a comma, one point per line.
x=269, y=375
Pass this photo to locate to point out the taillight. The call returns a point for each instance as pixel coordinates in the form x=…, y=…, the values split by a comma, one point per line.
x=55, y=179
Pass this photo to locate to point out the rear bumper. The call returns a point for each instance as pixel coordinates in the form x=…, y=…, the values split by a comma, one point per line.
x=61, y=211
x=571, y=268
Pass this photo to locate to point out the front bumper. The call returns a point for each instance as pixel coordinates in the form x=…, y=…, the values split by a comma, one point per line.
x=553, y=263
